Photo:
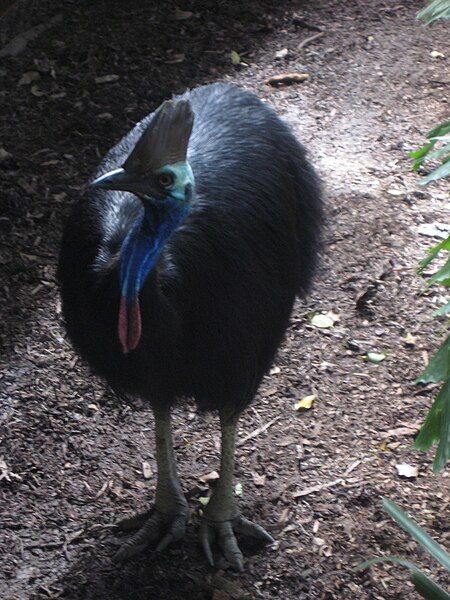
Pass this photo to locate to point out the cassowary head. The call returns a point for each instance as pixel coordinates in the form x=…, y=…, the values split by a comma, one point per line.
x=158, y=173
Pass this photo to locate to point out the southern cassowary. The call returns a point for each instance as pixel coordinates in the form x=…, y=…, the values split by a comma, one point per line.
x=179, y=268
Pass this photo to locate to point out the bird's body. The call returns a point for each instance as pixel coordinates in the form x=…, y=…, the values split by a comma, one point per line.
x=216, y=303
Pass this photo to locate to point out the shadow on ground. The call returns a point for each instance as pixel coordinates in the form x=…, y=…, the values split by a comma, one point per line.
x=60, y=124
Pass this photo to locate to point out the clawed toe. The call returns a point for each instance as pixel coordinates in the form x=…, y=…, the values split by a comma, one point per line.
x=135, y=522
x=223, y=534
x=161, y=529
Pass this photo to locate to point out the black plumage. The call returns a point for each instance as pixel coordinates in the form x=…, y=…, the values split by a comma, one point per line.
x=216, y=308
x=217, y=304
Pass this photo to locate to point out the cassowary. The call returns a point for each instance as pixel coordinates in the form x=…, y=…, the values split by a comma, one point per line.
x=178, y=270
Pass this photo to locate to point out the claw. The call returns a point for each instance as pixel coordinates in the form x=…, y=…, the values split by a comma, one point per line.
x=253, y=530
x=229, y=546
x=160, y=525
x=135, y=522
x=167, y=539
x=207, y=536
x=223, y=532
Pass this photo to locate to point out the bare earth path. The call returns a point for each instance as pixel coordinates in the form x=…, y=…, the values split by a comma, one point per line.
x=73, y=454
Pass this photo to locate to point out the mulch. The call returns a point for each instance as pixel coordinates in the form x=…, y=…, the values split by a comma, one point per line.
x=75, y=458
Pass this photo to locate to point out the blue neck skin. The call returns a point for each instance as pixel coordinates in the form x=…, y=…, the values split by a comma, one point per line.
x=145, y=242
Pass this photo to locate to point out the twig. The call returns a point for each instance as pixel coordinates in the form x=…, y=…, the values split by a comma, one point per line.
x=256, y=432
x=310, y=39
x=316, y=488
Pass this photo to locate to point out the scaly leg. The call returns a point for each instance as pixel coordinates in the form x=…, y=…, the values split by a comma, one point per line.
x=167, y=521
x=221, y=516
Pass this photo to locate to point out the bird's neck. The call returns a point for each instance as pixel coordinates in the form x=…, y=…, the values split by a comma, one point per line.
x=139, y=254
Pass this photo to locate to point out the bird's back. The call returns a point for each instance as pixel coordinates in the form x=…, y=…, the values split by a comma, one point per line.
x=226, y=280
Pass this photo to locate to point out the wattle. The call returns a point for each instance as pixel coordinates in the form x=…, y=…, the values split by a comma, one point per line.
x=129, y=326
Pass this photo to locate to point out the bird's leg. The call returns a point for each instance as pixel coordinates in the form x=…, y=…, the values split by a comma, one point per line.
x=167, y=520
x=221, y=517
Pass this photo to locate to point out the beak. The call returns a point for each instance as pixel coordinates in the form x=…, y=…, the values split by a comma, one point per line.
x=118, y=179
x=123, y=180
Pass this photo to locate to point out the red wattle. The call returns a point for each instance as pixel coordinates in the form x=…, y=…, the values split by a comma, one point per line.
x=129, y=326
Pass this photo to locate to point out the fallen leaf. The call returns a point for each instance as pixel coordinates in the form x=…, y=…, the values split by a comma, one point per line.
x=280, y=54
x=220, y=595
x=269, y=392
x=5, y=156
x=29, y=77
x=182, y=15
x=405, y=470
x=287, y=79
x=318, y=541
x=315, y=488
x=235, y=58
x=175, y=59
x=409, y=340
x=287, y=441
x=36, y=91
x=147, y=470
x=324, y=320
x=204, y=500
x=305, y=403
x=402, y=431
x=213, y=476
x=19, y=43
x=259, y=480
x=107, y=78
x=284, y=516
x=376, y=357
x=434, y=230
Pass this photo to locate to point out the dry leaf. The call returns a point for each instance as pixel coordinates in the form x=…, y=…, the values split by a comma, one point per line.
x=280, y=54
x=323, y=320
x=405, y=430
x=305, y=403
x=175, y=59
x=376, y=357
x=287, y=79
x=269, y=392
x=147, y=470
x=5, y=156
x=182, y=15
x=36, y=91
x=405, y=470
x=259, y=480
x=213, y=476
x=29, y=77
x=287, y=441
x=107, y=78
x=235, y=58
x=409, y=340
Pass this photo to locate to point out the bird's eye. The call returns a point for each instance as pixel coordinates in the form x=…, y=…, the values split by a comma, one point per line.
x=165, y=180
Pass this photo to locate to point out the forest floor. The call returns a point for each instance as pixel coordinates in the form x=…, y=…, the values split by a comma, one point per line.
x=74, y=456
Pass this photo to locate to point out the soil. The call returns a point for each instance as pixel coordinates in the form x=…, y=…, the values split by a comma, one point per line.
x=73, y=453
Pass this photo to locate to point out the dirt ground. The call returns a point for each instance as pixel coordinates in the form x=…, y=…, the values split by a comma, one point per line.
x=73, y=453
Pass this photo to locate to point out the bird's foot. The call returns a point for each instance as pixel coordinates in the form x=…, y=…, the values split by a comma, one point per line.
x=223, y=534
x=154, y=527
